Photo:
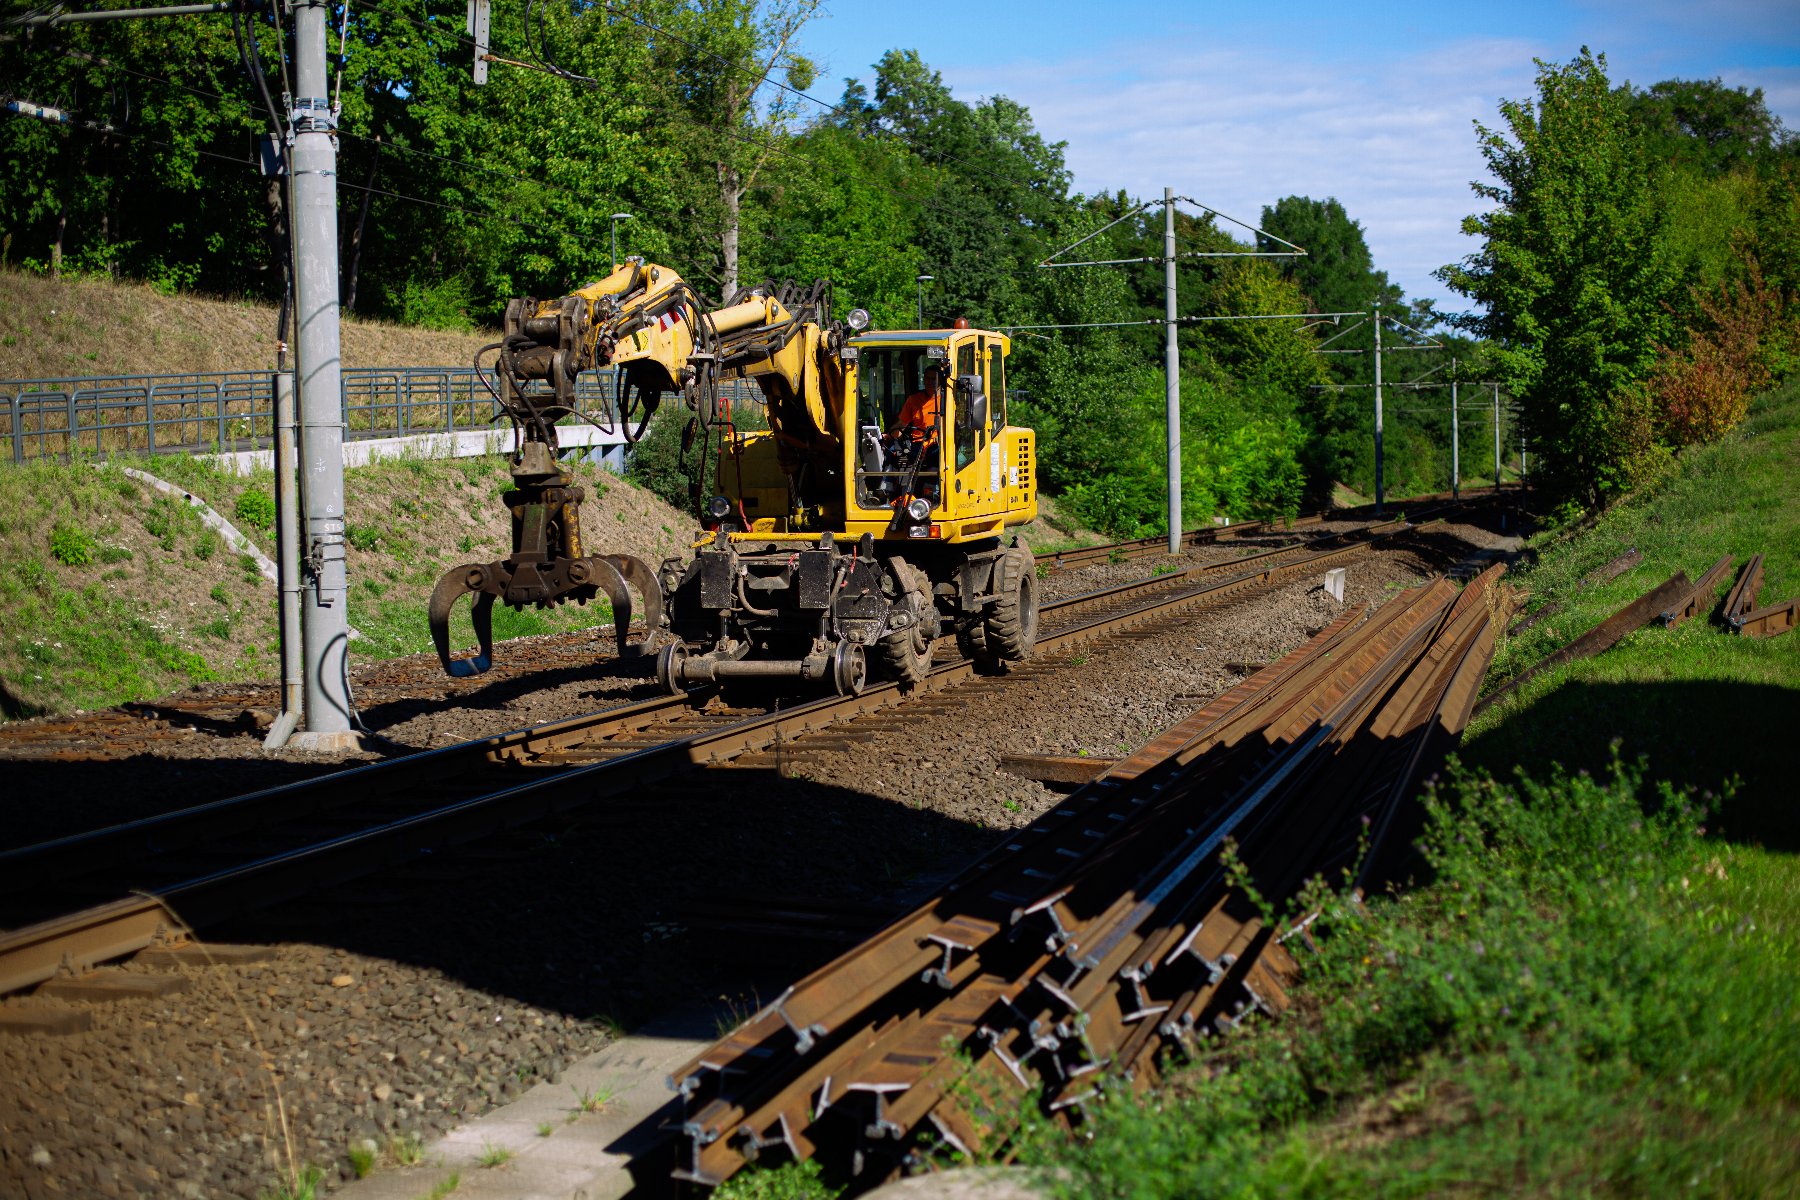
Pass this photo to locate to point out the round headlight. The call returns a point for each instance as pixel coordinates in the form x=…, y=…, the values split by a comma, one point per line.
x=918, y=508
x=718, y=508
x=857, y=319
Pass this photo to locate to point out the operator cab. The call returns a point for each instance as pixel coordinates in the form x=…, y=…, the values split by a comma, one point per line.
x=928, y=406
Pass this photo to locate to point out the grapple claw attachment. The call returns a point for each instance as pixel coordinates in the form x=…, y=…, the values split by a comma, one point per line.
x=628, y=569
x=470, y=577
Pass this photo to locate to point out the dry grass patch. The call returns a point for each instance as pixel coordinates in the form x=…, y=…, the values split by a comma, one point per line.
x=52, y=328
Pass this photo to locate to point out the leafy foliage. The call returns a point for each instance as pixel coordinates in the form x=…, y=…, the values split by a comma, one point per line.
x=1616, y=238
x=255, y=508
x=72, y=546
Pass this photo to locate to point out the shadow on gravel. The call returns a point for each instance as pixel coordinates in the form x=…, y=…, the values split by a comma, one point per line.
x=618, y=912
x=506, y=688
x=1692, y=734
x=47, y=799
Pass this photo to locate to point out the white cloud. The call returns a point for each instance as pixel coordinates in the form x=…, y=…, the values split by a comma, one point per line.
x=1240, y=127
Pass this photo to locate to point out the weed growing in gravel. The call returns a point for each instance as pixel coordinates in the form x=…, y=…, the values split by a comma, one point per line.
x=362, y=1157
x=494, y=1156
x=1165, y=569
x=444, y=1186
x=302, y=1185
x=608, y=1024
x=591, y=1101
x=1011, y=805
x=407, y=1149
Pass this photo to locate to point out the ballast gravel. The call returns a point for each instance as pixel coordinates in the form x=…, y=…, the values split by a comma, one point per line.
x=394, y=1009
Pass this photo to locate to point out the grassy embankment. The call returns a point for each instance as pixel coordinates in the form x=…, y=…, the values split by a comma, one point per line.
x=1596, y=990
x=110, y=591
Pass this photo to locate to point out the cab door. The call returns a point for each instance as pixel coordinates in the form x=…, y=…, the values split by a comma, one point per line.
x=972, y=489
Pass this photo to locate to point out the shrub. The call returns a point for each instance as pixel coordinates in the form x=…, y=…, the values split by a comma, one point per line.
x=72, y=547
x=256, y=508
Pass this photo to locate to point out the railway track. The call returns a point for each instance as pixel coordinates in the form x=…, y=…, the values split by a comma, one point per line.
x=1072, y=960
x=83, y=900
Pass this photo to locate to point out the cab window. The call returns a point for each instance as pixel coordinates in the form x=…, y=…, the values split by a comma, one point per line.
x=966, y=433
x=996, y=389
x=884, y=379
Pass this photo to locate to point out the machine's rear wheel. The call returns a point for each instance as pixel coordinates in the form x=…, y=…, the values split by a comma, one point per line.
x=905, y=654
x=1011, y=624
x=849, y=669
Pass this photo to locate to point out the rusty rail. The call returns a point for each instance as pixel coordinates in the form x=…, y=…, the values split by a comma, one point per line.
x=214, y=861
x=1699, y=597
x=1072, y=959
x=1635, y=615
x=1743, y=616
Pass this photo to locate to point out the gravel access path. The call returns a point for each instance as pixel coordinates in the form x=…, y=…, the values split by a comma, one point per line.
x=391, y=1010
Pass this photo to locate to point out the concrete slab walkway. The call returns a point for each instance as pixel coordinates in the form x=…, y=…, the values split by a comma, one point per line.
x=585, y=1154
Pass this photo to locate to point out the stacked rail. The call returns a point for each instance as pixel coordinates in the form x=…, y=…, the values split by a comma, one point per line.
x=1073, y=959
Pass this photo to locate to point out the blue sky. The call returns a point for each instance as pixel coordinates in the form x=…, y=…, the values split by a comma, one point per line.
x=1371, y=103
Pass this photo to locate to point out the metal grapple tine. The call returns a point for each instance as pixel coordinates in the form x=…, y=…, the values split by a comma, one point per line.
x=637, y=573
x=456, y=582
x=605, y=575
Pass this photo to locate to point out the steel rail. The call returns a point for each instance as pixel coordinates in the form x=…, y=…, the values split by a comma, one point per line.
x=79, y=940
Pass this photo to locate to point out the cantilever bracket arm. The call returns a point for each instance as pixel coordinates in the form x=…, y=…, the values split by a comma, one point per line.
x=38, y=20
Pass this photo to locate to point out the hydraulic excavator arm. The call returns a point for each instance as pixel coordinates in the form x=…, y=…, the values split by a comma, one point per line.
x=547, y=344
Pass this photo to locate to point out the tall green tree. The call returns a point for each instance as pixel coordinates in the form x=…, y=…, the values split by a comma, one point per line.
x=1572, y=275
x=1705, y=124
x=718, y=61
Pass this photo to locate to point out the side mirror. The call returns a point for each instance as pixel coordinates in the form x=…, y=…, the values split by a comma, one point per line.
x=969, y=391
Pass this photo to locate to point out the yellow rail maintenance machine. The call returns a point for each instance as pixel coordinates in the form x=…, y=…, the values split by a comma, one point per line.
x=866, y=522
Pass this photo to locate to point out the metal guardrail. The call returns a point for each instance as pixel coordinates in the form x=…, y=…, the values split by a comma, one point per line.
x=222, y=411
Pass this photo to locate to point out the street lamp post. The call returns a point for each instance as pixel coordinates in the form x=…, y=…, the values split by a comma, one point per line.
x=922, y=281
x=616, y=218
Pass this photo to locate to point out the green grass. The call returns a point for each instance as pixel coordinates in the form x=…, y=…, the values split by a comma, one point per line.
x=84, y=648
x=1701, y=704
x=494, y=1156
x=302, y=1186
x=362, y=1158
x=1594, y=994
x=393, y=625
x=1593, y=997
x=86, y=622
x=444, y=1186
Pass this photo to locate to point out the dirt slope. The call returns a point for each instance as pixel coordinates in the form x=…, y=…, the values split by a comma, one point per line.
x=51, y=328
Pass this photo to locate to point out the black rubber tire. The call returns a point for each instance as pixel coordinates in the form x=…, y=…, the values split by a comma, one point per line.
x=1012, y=619
x=905, y=654
x=971, y=641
